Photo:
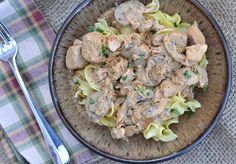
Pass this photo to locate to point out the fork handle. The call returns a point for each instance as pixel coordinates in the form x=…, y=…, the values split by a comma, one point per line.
x=57, y=150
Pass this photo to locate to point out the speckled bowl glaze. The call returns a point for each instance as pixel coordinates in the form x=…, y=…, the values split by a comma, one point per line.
x=138, y=150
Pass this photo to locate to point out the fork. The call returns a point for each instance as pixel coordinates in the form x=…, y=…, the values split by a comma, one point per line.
x=8, y=52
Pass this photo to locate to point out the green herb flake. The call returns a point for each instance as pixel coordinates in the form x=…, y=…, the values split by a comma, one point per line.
x=124, y=78
x=142, y=90
x=205, y=88
x=141, y=56
x=98, y=29
x=90, y=28
x=104, y=51
x=190, y=114
x=175, y=24
x=91, y=101
x=148, y=93
x=187, y=75
x=152, y=31
x=129, y=65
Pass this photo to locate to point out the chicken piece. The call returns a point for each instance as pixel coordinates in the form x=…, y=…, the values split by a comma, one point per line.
x=124, y=90
x=146, y=26
x=188, y=93
x=99, y=74
x=108, y=87
x=156, y=109
x=92, y=45
x=165, y=115
x=117, y=67
x=184, y=76
x=203, y=77
x=122, y=112
x=98, y=104
x=113, y=43
x=195, y=53
x=130, y=43
x=168, y=88
x=74, y=58
x=157, y=39
x=195, y=35
x=175, y=44
x=118, y=133
x=131, y=130
x=128, y=76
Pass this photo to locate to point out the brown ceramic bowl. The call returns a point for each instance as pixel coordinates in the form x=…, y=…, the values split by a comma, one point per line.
x=190, y=131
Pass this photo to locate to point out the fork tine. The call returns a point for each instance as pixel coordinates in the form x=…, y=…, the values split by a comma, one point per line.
x=5, y=30
x=3, y=37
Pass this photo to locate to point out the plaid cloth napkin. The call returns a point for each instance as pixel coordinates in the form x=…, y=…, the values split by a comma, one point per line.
x=35, y=38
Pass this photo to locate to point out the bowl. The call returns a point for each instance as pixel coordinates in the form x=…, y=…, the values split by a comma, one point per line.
x=138, y=150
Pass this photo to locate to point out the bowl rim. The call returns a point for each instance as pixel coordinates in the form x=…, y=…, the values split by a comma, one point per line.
x=185, y=150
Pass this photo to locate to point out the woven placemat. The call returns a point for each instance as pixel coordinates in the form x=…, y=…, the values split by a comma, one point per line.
x=220, y=145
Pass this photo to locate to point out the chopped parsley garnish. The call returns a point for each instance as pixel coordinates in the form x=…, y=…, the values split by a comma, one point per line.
x=99, y=30
x=175, y=24
x=142, y=90
x=152, y=31
x=187, y=75
x=205, y=88
x=141, y=56
x=91, y=101
x=124, y=78
x=129, y=65
x=104, y=51
x=148, y=93
x=90, y=28
x=190, y=114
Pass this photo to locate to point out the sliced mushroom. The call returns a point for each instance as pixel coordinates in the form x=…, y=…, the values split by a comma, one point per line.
x=140, y=55
x=195, y=35
x=113, y=43
x=92, y=44
x=156, y=109
x=195, y=53
x=184, y=76
x=117, y=67
x=74, y=58
x=156, y=69
x=98, y=103
x=168, y=88
x=146, y=25
x=175, y=44
x=157, y=39
x=130, y=43
x=130, y=12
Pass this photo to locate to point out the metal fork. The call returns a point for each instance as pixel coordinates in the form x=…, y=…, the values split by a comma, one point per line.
x=8, y=52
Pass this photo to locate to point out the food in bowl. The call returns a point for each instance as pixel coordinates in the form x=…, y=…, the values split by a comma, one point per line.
x=136, y=69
